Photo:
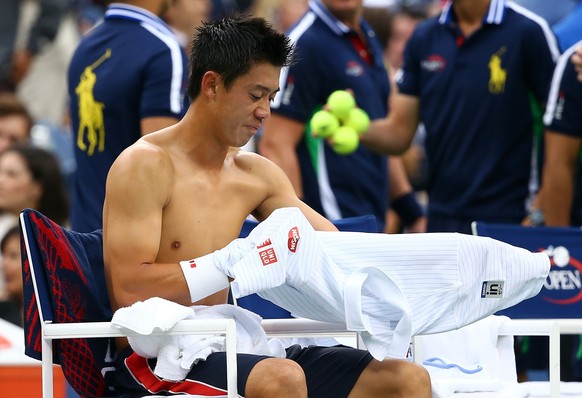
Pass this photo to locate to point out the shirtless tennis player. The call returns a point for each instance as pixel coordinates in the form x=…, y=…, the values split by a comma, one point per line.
x=185, y=191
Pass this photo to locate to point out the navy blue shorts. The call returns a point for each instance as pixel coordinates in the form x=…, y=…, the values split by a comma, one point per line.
x=330, y=372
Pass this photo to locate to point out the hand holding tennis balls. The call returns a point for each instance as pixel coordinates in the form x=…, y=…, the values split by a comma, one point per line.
x=323, y=124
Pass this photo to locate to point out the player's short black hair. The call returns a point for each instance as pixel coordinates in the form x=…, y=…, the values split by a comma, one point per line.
x=230, y=46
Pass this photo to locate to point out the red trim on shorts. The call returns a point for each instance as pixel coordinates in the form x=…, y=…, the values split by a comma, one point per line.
x=140, y=370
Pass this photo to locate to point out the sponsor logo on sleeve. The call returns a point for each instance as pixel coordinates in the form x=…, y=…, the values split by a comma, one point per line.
x=293, y=240
x=267, y=255
x=492, y=289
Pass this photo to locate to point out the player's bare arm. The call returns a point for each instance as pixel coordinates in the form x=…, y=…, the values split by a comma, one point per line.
x=138, y=189
x=393, y=135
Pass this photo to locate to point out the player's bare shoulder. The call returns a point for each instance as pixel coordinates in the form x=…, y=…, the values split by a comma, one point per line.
x=254, y=164
x=145, y=160
x=263, y=175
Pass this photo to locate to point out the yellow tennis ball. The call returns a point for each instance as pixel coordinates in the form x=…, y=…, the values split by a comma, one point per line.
x=359, y=120
x=340, y=103
x=323, y=124
x=345, y=140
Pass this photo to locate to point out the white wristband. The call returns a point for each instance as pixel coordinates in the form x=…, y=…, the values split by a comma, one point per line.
x=203, y=277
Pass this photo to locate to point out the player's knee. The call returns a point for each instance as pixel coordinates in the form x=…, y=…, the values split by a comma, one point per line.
x=418, y=380
x=398, y=378
x=276, y=378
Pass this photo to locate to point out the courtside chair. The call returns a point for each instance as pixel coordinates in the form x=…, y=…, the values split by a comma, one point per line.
x=67, y=314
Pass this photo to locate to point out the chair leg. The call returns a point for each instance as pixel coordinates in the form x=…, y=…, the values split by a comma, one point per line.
x=47, y=368
x=231, y=359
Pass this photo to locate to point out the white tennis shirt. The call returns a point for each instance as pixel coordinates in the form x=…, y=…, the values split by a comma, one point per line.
x=387, y=287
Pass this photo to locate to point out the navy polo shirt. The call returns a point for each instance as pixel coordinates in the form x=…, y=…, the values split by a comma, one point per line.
x=336, y=186
x=475, y=104
x=128, y=67
x=564, y=114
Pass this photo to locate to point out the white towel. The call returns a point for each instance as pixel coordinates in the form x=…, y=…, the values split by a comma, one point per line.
x=151, y=315
x=473, y=361
x=177, y=354
x=478, y=345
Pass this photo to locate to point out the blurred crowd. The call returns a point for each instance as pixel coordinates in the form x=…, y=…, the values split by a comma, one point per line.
x=38, y=136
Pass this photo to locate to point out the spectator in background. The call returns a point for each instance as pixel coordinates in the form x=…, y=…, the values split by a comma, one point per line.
x=15, y=125
x=14, y=64
x=283, y=14
x=127, y=78
x=337, y=50
x=15, y=121
x=30, y=177
x=468, y=75
x=404, y=21
x=11, y=276
x=44, y=86
x=184, y=16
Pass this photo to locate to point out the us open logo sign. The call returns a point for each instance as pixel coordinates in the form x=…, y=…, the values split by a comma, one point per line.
x=563, y=285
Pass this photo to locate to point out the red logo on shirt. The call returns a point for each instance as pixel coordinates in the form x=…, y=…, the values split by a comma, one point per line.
x=264, y=244
x=192, y=263
x=268, y=256
x=293, y=239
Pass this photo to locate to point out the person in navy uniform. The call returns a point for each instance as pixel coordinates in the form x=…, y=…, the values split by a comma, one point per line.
x=472, y=75
x=127, y=78
x=337, y=50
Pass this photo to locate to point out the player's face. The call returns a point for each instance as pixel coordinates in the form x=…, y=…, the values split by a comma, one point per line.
x=248, y=102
